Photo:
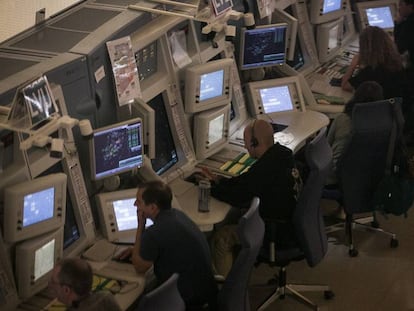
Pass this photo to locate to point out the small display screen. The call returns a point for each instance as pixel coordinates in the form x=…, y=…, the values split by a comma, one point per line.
x=331, y=5
x=215, y=129
x=38, y=206
x=118, y=149
x=380, y=17
x=126, y=215
x=276, y=99
x=211, y=85
x=44, y=259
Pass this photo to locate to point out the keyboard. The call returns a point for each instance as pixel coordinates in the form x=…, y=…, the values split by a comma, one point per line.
x=102, y=250
x=118, y=271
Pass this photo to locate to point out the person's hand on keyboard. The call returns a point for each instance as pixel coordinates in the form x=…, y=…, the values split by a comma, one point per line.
x=124, y=255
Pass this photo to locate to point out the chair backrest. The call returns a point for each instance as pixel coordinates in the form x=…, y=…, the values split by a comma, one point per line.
x=233, y=294
x=307, y=218
x=363, y=162
x=164, y=297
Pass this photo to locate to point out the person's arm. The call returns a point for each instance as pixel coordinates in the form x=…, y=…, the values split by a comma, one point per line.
x=140, y=264
x=345, y=85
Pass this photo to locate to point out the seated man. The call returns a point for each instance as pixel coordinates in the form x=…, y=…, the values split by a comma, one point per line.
x=173, y=244
x=71, y=283
x=273, y=178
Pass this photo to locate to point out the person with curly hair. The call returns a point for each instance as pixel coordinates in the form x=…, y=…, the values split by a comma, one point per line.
x=378, y=60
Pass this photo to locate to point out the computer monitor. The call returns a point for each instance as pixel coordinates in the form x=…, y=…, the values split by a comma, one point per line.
x=116, y=149
x=35, y=260
x=34, y=207
x=211, y=131
x=79, y=227
x=380, y=13
x=322, y=11
x=118, y=215
x=329, y=39
x=275, y=96
x=263, y=46
x=281, y=16
x=208, y=85
x=166, y=154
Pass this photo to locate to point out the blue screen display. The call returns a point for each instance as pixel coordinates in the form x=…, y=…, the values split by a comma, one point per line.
x=38, y=206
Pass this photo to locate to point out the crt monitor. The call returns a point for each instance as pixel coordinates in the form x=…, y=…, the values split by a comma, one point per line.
x=322, y=11
x=116, y=148
x=381, y=13
x=211, y=131
x=263, y=46
x=34, y=207
x=166, y=154
x=35, y=260
x=118, y=215
x=275, y=96
x=208, y=85
x=281, y=16
x=329, y=39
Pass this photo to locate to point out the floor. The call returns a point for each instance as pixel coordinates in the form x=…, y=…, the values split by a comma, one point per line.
x=379, y=278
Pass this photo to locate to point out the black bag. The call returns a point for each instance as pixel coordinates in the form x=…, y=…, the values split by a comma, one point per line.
x=394, y=195
x=395, y=192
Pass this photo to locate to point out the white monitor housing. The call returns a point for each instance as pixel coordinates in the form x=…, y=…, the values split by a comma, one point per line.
x=118, y=215
x=329, y=39
x=211, y=131
x=208, y=85
x=34, y=207
x=275, y=96
x=35, y=260
x=380, y=13
x=322, y=11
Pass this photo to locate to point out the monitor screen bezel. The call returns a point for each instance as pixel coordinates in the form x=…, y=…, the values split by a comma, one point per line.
x=318, y=17
x=255, y=101
x=203, y=148
x=263, y=64
x=193, y=76
x=363, y=6
x=118, y=170
x=14, y=198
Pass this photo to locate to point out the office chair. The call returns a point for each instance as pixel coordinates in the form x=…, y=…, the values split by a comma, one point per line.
x=164, y=297
x=312, y=243
x=363, y=164
x=233, y=294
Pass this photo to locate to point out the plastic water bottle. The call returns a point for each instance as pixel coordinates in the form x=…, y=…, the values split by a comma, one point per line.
x=204, y=195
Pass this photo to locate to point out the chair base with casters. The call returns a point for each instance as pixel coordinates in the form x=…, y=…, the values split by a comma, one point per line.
x=369, y=223
x=295, y=290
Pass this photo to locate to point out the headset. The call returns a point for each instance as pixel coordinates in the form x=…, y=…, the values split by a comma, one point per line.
x=253, y=140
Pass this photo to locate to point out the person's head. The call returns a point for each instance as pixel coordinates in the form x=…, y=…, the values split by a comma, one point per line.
x=367, y=91
x=152, y=197
x=258, y=137
x=71, y=280
x=376, y=48
x=405, y=8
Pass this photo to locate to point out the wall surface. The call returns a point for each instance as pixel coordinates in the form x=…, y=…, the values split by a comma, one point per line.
x=18, y=15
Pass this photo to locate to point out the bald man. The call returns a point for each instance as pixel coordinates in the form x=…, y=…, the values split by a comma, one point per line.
x=273, y=178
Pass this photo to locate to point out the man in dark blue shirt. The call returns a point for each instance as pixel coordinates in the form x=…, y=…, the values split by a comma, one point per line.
x=173, y=244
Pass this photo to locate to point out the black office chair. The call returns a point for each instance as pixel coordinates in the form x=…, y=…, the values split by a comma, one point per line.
x=363, y=164
x=309, y=226
x=233, y=294
x=165, y=297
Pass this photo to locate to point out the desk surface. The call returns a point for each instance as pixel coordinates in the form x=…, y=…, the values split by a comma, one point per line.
x=301, y=125
x=186, y=194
